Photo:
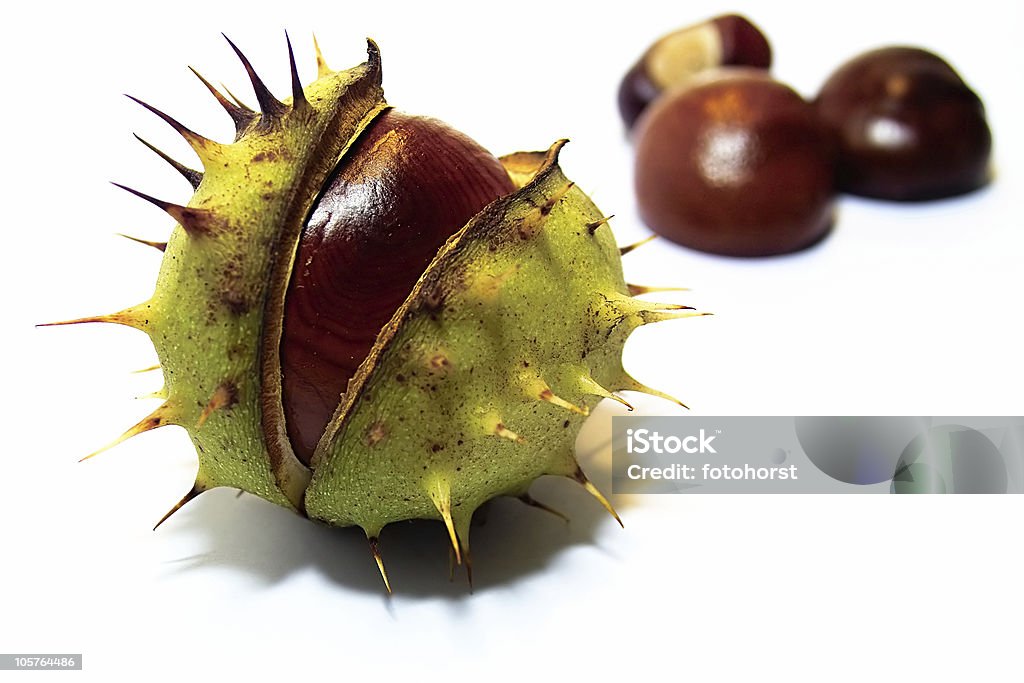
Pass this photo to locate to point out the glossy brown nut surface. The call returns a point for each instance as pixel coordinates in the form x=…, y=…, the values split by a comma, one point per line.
x=407, y=185
x=907, y=126
x=727, y=40
x=737, y=165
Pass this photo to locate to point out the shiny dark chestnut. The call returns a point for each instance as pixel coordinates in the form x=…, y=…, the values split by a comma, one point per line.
x=408, y=183
x=727, y=40
x=735, y=164
x=908, y=127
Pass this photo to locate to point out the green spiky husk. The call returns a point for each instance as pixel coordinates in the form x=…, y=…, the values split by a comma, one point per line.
x=220, y=287
x=521, y=302
x=477, y=386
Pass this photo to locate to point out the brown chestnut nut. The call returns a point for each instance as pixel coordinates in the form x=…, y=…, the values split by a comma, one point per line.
x=907, y=126
x=737, y=164
x=412, y=182
x=727, y=40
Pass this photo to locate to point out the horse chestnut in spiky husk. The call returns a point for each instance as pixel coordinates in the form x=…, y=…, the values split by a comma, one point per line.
x=364, y=317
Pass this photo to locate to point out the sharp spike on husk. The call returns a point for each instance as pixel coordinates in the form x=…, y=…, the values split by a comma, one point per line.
x=188, y=497
x=202, y=145
x=645, y=312
x=298, y=94
x=160, y=246
x=160, y=393
x=193, y=176
x=375, y=551
x=590, y=386
x=321, y=64
x=134, y=317
x=614, y=397
x=636, y=245
x=240, y=115
x=657, y=316
x=149, y=369
x=224, y=396
x=242, y=105
x=462, y=528
x=658, y=306
x=160, y=203
x=196, y=222
x=594, y=225
x=441, y=496
x=533, y=502
x=549, y=397
x=636, y=290
x=628, y=383
x=504, y=432
x=271, y=108
x=158, y=418
x=592, y=490
x=550, y=204
x=533, y=222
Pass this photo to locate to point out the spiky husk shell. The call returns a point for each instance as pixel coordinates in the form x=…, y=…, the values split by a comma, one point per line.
x=477, y=386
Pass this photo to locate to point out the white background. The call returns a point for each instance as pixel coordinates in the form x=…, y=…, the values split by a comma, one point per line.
x=902, y=310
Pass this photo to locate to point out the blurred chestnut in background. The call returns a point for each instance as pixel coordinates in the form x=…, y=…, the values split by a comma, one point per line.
x=907, y=126
x=736, y=164
x=722, y=41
